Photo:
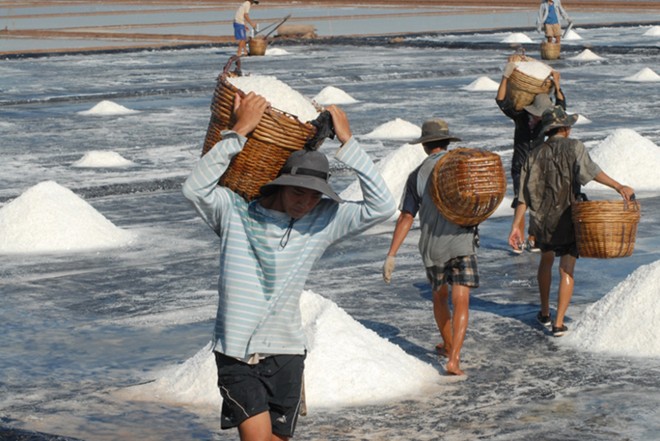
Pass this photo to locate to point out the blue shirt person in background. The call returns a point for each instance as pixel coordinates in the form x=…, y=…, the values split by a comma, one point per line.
x=548, y=19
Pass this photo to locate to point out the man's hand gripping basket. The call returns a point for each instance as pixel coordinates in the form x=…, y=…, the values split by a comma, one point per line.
x=467, y=185
x=268, y=147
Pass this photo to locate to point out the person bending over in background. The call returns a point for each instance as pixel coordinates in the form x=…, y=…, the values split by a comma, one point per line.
x=549, y=184
x=548, y=19
x=240, y=27
x=448, y=250
x=527, y=133
x=267, y=249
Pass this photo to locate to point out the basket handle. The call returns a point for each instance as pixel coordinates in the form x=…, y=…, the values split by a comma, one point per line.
x=233, y=59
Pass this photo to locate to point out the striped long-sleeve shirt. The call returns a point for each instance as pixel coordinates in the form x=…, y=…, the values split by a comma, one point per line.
x=260, y=281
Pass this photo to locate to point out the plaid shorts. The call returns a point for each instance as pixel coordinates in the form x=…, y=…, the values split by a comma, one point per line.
x=273, y=385
x=460, y=270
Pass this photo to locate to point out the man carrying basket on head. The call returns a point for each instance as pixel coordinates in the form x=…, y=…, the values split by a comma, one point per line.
x=527, y=133
x=448, y=250
x=267, y=249
x=549, y=184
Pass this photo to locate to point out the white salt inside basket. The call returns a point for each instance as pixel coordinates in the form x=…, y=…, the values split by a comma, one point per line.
x=280, y=95
x=534, y=69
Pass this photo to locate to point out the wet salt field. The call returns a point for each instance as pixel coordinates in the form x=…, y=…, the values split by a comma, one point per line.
x=77, y=327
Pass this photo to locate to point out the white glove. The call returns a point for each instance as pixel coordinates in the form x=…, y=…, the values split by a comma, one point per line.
x=388, y=268
x=509, y=68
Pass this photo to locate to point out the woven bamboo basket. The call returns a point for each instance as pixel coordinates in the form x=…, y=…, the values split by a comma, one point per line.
x=550, y=51
x=467, y=185
x=522, y=88
x=277, y=135
x=257, y=46
x=605, y=229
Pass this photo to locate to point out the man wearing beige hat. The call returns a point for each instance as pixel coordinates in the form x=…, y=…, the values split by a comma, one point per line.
x=448, y=250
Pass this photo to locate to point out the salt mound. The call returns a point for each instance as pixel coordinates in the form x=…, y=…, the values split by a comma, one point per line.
x=332, y=95
x=582, y=120
x=534, y=69
x=482, y=84
x=279, y=94
x=586, y=55
x=517, y=37
x=625, y=321
x=276, y=52
x=653, y=32
x=347, y=365
x=49, y=217
x=108, y=108
x=394, y=168
x=397, y=129
x=629, y=158
x=643, y=76
x=99, y=159
x=571, y=35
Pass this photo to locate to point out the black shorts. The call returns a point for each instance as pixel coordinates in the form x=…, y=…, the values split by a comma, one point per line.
x=273, y=385
x=560, y=250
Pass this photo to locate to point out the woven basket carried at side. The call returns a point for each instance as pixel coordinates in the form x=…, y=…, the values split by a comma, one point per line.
x=550, y=51
x=467, y=185
x=522, y=88
x=277, y=135
x=605, y=229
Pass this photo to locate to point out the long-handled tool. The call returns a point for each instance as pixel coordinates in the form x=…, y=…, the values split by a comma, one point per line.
x=568, y=29
x=277, y=24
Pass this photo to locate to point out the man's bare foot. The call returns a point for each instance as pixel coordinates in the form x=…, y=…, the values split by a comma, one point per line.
x=441, y=351
x=453, y=369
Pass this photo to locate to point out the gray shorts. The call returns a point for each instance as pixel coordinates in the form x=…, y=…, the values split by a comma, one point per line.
x=461, y=270
x=273, y=385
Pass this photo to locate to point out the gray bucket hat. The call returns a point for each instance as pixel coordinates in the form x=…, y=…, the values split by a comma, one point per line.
x=541, y=103
x=304, y=168
x=557, y=117
x=434, y=130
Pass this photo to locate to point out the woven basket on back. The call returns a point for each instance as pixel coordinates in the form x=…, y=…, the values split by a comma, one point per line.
x=467, y=185
x=277, y=135
x=605, y=229
x=550, y=51
x=522, y=88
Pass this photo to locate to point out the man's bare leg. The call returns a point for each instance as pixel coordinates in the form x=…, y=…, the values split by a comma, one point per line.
x=544, y=278
x=566, y=284
x=461, y=301
x=258, y=428
x=442, y=315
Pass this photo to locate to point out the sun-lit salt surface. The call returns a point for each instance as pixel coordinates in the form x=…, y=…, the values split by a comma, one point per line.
x=280, y=95
x=482, y=84
x=395, y=129
x=623, y=322
x=646, y=75
x=571, y=35
x=516, y=37
x=100, y=159
x=333, y=95
x=586, y=55
x=51, y=218
x=108, y=108
x=629, y=158
x=346, y=365
x=653, y=32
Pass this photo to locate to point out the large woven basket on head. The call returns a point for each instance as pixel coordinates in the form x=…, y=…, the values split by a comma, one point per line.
x=277, y=135
x=550, y=51
x=467, y=185
x=605, y=229
x=522, y=88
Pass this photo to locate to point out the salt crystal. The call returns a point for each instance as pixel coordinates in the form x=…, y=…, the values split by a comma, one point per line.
x=280, y=95
x=534, y=69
